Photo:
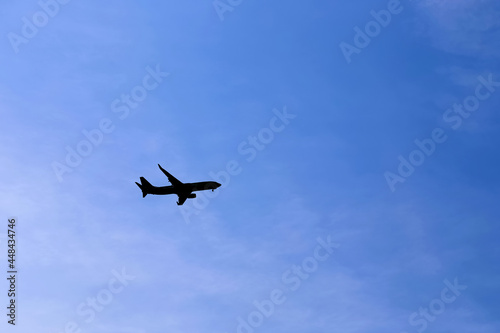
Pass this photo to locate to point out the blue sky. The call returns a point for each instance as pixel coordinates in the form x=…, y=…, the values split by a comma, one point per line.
x=333, y=220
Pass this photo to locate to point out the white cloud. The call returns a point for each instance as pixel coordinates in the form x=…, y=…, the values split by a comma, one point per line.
x=464, y=27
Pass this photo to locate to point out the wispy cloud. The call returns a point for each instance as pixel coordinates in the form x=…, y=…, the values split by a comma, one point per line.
x=464, y=27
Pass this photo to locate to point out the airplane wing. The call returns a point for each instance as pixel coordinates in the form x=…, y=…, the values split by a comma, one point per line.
x=182, y=199
x=174, y=181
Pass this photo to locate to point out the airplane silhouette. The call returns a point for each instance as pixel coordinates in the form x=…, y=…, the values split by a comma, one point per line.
x=183, y=190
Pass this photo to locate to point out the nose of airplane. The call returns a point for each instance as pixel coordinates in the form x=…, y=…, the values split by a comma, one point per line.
x=218, y=185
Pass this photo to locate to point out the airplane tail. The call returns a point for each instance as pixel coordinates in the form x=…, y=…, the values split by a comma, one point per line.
x=144, y=186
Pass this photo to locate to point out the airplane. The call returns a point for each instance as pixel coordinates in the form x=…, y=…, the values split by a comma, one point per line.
x=183, y=190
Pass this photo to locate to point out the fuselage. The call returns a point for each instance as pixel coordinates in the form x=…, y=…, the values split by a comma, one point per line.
x=184, y=188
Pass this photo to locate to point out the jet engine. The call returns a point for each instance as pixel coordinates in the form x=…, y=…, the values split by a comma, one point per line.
x=192, y=196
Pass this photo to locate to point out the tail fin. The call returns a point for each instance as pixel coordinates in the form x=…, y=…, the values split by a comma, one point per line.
x=144, y=186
